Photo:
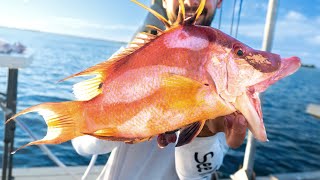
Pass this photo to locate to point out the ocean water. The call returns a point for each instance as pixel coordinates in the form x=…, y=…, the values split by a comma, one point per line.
x=294, y=136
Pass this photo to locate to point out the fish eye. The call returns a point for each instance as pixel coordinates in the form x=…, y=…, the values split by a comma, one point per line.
x=240, y=53
x=238, y=50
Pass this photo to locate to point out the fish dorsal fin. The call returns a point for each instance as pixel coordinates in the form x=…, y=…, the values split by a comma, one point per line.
x=181, y=17
x=159, y=31
x=195, y=17
x=199, y=10
x=166, y=23
x=181, y=14
x=90, y=88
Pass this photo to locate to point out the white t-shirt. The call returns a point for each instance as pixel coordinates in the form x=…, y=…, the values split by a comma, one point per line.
x=145, y=161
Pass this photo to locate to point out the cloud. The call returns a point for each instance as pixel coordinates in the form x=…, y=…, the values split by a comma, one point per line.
x=81, y=24
x=314, y=40
x=292, y=25
x=261, y=5
x=295, y=16
x=81, y=27
x=252, y=10
x=71, y=26
x=251, y=30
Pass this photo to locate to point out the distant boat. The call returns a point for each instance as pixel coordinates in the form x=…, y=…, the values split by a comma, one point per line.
x=314, y=109
x=308, y=65
x=14, y=55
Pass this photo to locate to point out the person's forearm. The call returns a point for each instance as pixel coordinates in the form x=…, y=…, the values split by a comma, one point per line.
x=89, y=145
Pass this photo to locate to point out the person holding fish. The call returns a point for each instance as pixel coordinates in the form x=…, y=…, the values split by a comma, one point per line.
x=181, y=97
x=198, y=159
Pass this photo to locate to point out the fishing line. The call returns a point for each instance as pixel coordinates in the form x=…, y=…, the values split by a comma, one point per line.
x=239, y=14
x=232, y=19
x=220, y=15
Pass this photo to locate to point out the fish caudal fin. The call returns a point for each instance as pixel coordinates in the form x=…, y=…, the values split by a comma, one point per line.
x=62, y=119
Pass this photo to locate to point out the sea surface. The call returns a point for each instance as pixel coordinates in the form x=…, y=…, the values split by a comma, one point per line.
x=294, y=136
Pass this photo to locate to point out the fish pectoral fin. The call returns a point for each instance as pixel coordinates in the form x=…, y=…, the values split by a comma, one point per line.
x=182, y=92
x=178, y=81
x=188, y=133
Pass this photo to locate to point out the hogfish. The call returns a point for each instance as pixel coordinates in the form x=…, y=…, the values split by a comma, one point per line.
x=175, y=80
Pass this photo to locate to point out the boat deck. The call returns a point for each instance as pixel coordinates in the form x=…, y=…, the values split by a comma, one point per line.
x=54, y=173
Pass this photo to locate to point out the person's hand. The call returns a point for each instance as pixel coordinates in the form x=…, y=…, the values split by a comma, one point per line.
x=234, y=126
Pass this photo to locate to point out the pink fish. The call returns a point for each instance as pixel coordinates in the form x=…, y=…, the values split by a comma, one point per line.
x=176, y=80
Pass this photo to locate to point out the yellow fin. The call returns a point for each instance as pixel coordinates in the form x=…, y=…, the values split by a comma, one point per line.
x=88, y=89
x=200, y=9
x=140, y=40
x=181, y=14
x=159, y=31
x=104, y=132
x=155, y=13
x=61, y=118
x=182, y=92
x=195, y=17
x=178, y=81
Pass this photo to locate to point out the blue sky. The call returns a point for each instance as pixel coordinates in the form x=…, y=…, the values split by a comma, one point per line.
x=297, y=29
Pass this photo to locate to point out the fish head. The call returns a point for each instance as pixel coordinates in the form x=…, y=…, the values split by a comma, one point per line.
x=240, y=73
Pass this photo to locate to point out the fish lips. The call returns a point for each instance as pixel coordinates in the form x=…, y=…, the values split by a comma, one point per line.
x=249, y=102
x=287, y=67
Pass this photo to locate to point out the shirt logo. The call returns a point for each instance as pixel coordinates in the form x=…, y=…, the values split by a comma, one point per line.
x=203, y=165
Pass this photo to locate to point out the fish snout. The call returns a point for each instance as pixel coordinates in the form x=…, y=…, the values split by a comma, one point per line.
x=290, y=65
x=264, y=62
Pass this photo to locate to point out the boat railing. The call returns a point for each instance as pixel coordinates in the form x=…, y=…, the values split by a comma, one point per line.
x=8, y=104
x=245, y=173
x=44, y=148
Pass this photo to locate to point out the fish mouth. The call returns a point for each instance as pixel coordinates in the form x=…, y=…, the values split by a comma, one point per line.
x=288, y=66
x=248, y=104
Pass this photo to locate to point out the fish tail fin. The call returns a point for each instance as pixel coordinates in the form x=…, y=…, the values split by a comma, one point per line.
x=63, y=120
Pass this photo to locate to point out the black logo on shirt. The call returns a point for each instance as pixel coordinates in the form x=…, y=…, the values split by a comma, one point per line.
x=203, y=164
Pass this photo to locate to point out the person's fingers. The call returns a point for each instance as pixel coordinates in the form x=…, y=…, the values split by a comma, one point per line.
x=212, y=126
x=162, y=141
x=216, y=125
x=166, y=138
x=235, y=130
